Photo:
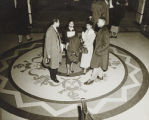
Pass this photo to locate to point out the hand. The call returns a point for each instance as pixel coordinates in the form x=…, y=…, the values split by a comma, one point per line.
x=62, y=47
x=90, y=17
x=67, y=45
x=83, y=35
x=47, y=60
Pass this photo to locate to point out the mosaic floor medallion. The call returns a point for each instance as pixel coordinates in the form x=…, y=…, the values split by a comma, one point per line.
x=27, y=90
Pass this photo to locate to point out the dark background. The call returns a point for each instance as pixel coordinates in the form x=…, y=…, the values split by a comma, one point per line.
x=44, y=10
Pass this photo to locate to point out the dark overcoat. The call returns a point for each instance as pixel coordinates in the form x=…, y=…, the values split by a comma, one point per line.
x=22, y=18
x=73, y=52
x=119, y=11
x=52, y=48
x=100, y=56
x=100, y=9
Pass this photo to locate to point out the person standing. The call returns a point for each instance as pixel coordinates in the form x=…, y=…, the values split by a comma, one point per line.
x=99, y=8
x=119, y=13
x=88, y=38
x=22, y=20
x=53, y=49
x=111, y=12
x=100, y=58
x=72, y=47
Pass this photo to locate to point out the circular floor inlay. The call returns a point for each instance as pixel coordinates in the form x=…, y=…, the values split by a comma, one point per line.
x=29, y=70
x=27, y=90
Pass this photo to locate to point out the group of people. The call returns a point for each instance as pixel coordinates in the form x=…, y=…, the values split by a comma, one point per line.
x=112, y=10
x=91, y=49
x=96, y=56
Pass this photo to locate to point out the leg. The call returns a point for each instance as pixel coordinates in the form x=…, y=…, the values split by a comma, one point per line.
x=28, y=37
x=94, y=73
x=84, y=71
x=71, y=67
x=20, y=37
x=53, y=73
x=68, y=69
x=93, y=76
x=114, y=34
x=100, y=74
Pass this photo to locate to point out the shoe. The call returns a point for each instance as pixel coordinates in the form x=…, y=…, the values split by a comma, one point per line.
x=20, y=39
x=84, y=73
x=113, y=36
x=68, y=74
x=20, y=42
x=56, y=81
x=88, y=82
x=29, y=39
x=100, y=78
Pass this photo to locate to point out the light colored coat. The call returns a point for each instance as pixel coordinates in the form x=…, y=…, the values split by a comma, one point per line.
x=52, y=48
x=88, y=38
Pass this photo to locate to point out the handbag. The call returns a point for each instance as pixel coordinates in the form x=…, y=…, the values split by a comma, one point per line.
x=83, y=50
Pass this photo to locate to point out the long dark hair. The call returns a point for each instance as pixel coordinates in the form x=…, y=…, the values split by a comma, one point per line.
x=70, y=20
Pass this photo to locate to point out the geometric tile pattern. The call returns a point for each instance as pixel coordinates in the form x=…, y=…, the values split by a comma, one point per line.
x=28, y=74
x=127, y=94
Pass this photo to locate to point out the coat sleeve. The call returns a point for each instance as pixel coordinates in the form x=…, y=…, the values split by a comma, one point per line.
x=104, y=44
x=49, y=43
x=90, y=40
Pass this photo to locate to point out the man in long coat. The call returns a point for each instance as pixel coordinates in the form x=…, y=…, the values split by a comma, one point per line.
x=99, y=8
x=100, y=57
x=53, y=49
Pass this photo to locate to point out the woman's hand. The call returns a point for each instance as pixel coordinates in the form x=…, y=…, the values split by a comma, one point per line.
x=47, y=60
x=67, y=45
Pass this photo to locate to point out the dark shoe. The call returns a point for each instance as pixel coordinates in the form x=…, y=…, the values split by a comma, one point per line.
x=20, y=43
x=56, y=81
x=100, y=78
x=113, y=36
x=84, y=73
x=88, y=82
x=68, y=74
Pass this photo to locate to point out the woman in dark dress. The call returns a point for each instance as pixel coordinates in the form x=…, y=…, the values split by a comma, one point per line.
x=72, y=46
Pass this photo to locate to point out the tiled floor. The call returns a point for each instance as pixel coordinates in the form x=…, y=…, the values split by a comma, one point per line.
x=137, y=44
x=133, y=42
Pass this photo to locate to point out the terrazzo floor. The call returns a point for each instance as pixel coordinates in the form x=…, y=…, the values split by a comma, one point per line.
x=133, y=42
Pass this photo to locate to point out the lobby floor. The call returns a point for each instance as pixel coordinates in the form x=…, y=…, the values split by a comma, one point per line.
x=134, y=42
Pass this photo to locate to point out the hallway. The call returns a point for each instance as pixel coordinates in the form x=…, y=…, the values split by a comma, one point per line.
x=27, y=91
x=129, y=41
